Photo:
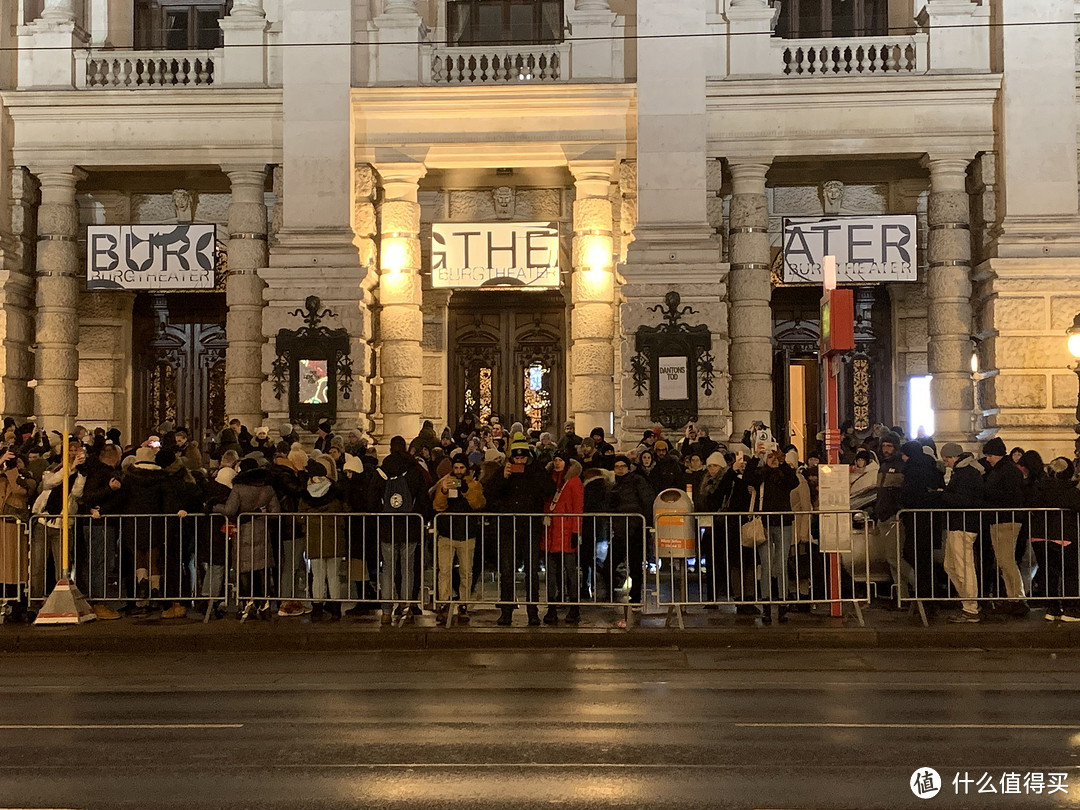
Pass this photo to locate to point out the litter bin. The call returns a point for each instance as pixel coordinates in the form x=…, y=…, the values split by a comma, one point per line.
x=676, y=531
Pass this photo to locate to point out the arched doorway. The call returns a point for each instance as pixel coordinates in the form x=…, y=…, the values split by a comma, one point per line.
x=506, y=357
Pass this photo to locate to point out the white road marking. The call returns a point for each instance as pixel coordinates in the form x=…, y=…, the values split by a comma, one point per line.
x=1015, y=726
x=115, y=726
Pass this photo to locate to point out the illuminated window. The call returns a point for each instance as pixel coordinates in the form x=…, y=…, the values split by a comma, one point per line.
x=920, y=409
x=537, y=396
x=503, y=22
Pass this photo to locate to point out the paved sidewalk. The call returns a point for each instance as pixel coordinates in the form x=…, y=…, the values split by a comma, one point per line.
x=703, y=628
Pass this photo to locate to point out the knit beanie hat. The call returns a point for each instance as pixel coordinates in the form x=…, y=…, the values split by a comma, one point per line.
x=717, y=459
x=994, y=447
x=519, y=445
x=951, y=450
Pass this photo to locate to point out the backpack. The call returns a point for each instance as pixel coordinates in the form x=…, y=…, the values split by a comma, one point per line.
x=397, y=496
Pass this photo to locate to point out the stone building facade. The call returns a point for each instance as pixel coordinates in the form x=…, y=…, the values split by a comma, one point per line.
x=667, y=141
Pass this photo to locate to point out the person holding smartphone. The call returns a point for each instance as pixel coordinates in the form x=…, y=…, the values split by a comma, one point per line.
x=521, y=490
x=456, y=494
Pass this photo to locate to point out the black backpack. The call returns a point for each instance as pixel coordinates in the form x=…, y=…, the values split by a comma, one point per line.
x=397, y=496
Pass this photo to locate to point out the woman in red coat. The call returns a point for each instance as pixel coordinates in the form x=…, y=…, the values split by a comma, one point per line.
x=560, y=543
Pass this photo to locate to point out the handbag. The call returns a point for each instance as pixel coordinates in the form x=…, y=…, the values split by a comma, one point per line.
x=752, y=533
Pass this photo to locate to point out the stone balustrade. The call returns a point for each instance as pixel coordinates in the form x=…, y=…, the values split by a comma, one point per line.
x=500, y=64
x=863, y=56
x=146, y=69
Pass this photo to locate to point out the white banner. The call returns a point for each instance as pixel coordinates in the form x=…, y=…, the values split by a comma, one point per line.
x=674, y=378
x=495, y=254
x=868, y=250
x=150, y=257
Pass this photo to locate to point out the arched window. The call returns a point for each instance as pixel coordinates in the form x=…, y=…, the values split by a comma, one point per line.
x=503, y=22
x=811, y=19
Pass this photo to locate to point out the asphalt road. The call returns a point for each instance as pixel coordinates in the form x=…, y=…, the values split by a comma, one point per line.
x=812, y=730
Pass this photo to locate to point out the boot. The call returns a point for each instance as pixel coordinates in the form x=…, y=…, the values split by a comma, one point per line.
x=506, y=618
x=534, y=615
x=766, y=614
x=333, y=611
x=573, y=615
x=552, y=615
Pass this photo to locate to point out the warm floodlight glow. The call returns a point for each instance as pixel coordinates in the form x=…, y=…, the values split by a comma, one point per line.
x=394, y=254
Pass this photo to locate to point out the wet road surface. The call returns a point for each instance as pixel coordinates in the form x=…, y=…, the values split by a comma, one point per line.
x=670, y=728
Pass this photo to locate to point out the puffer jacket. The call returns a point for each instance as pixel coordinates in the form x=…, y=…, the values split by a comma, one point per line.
x=251, y=492
x=470, y=498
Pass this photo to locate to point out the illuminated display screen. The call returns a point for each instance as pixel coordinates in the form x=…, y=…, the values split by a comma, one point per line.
x=314, y=382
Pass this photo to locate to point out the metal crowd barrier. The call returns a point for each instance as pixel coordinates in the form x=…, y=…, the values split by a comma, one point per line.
x=1009, y=557
x=559, y=560
x=132, y=558
x=330, y=559
x=14, y=563
x=805, y=558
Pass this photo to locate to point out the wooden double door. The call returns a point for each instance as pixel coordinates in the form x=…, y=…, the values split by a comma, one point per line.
x=179, y=352
x=507, y=357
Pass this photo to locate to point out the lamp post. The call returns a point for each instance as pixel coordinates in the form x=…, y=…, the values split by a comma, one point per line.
x=1074, y=349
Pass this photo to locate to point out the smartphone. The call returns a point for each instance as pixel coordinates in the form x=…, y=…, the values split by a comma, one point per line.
x=155, y=445
x=517, y=468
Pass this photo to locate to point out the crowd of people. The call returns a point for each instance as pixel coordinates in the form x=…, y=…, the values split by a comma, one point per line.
x=313, y=529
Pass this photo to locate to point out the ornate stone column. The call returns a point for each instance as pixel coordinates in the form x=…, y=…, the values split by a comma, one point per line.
x=59, y=10
x=56, y=358
x=592, y=5
x=401, y=324
x=749, y=293
x=17, y=316
x=244, y=294
x=592, y=319
x=948, y=288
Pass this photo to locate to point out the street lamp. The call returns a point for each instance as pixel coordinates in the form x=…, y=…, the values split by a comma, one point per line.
x=1074, y=349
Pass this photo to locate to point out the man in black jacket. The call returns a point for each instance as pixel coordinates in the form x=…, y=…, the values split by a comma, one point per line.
x=405, y=506
x=96, y=552
x=632, y=496
x=965, y=490
x=520, y=490
x=1001, y=529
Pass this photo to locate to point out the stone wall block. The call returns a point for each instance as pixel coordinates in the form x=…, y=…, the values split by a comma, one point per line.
x=56, y=257
x=628, y=215
x=582, y=248
x=714, y=175
x=951, y=244
x=955, y=389
x=58, y=218
x=949, y=354
x=950, y=320
x=591, y=394
x=749, y=248
x=403, y=396
x=1063, y=309
x=1021, y=391
x=1021, y=314
x=592, y=358
x=56, y=363
x=593, y=286
x=592, y=214
x=247, y=253
x=401, y=358
x=401, y=323
x=364, y=181
x=364, y=219
x=433, y=368
x=400, y=217
x=747, y=320
x=628, y=176
x=1064, y=387
x=1030, y=352
x=750, y=210
x=592, y=321
x=948, y=207
x=401, y=288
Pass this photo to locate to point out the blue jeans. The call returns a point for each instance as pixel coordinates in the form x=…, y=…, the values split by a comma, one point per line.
x=772, y=559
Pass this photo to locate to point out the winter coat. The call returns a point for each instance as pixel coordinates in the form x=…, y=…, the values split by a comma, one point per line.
x=398, y=527
x=965, y=490
x=922, y=479
x=632, y=495
x=667, y=473
x=97, y=494
x=14, y=493
x=227, y=441
x=523, y=492
x=774, y=486
x=144, y=492
x=287, y=486
x=735, y=489
x=1004, y=488
x=251, y=492
x=864, y=485
x=1051, y=493
x=801, y=505
x=470, y=498
x=426, y=437
x=890, y=479
x=708, y=494
x=561, y=533
x=190, y=455
x=324, y=525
